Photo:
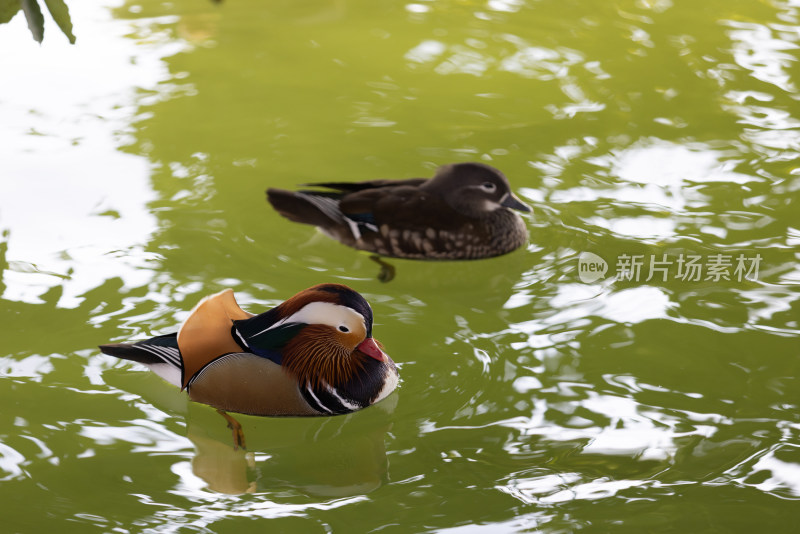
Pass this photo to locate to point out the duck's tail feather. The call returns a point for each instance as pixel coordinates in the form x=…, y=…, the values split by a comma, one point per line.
x=160, y=354
x=317, y=209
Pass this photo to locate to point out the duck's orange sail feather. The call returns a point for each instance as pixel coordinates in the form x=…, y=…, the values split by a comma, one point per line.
x=206, y=333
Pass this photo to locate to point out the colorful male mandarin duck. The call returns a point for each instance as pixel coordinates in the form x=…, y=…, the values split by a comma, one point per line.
x=463, y=212
x=312, y=355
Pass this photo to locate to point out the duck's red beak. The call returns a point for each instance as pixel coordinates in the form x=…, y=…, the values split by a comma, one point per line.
x=370, y=347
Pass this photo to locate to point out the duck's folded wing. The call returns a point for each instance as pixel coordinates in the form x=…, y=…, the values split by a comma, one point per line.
x=206, y=333
x=350, y=187
x=401, y=207
x=380, y=199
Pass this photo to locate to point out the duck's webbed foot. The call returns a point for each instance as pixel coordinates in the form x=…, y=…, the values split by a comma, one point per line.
x=387, y=271
x=236, y=429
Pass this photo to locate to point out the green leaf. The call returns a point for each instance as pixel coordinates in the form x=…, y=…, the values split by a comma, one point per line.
x=60, y=13
x=35, y=19
x=8, y=8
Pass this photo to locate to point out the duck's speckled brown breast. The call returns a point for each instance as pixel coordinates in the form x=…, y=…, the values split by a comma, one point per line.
x=498, y=233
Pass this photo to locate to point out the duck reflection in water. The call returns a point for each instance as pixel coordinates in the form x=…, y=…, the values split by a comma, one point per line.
x=328, y=457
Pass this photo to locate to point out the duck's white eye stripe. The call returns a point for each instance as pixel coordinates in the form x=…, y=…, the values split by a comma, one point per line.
x=327, y=313
x=333, y=315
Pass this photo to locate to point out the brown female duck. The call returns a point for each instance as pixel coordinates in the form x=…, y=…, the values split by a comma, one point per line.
x=464, y=212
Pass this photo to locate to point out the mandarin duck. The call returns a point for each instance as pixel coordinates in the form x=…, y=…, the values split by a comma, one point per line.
x=312, y=355
x=463, y=212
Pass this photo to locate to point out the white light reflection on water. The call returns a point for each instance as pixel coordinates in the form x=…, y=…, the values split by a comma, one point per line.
x=32, y=367
x=781, y=475
x=767, y=52
x=205, y=508
x=62, y=159
x=148, y=436
x=525, y=60
x=763, y=50
x=552, y=488
x=660, y=173
x=574, y=302
x=633, y=430
x=11, y=463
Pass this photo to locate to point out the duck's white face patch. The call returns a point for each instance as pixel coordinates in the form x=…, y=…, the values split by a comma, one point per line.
x=339, y=317
x=490, y=205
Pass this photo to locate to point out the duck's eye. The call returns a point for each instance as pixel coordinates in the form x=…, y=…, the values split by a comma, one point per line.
x=489, y=187
x=343, y=328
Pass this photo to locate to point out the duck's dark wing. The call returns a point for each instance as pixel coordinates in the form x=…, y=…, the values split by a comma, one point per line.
x=351, y=187
x=400, y=207
x=349, y=206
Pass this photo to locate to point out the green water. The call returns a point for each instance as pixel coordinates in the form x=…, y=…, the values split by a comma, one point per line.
x=133, y=169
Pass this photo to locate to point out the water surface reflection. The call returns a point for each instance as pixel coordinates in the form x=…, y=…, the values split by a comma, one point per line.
x=531, y=399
